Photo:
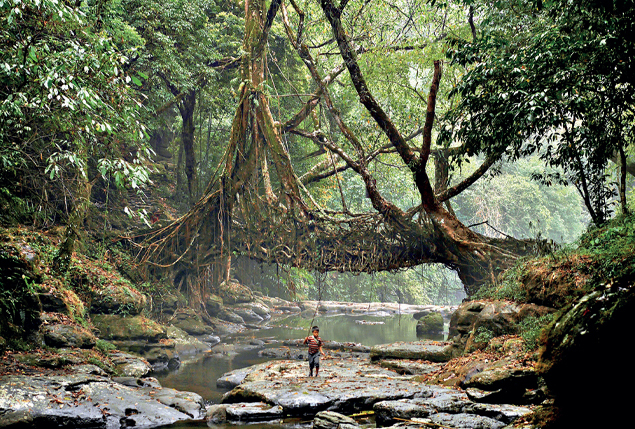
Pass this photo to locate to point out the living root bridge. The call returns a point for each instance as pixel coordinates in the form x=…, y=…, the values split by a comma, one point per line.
x=310, y=239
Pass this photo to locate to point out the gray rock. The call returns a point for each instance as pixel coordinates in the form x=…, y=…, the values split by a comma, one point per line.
x=333, y=420
x=248, y=315
x=410, y=367
x=232, y=379
x=230, y=316
x=253, y=411
x=496, y=317
x=53, y=303
x=467, y=421
x=115, y=298
x=448, y=407
x=129, y=365
x=190, y=322
x=189, y=403
x=213, y=305
x=344, y=385
x=186, y=344
x=216, y=414
x=138, y=382
x=430, y=324
x=82, y=400
x=235, y=293
x=223, y=327
x=89, y=369
x=243, y=412
x=114, y=327
x=67, y=336
x=432, y=351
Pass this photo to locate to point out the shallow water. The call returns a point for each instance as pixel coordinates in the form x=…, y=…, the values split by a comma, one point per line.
x=200, y=375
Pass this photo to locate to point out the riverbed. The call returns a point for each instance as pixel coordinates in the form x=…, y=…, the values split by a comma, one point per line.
x=199, y=374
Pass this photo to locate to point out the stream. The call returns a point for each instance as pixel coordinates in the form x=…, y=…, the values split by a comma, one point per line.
x=199, y=374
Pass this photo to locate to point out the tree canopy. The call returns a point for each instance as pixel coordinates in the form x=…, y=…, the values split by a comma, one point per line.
x=361, y=136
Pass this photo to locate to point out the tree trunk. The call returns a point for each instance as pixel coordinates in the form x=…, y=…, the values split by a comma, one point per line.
x=74, y=226
x=186, y=107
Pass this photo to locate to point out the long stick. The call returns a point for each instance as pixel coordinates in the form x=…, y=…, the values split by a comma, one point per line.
x=317, y=306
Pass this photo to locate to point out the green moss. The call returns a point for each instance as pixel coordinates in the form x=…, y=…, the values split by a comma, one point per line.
x=509, y=285
x=104, y=346
x=531, y=328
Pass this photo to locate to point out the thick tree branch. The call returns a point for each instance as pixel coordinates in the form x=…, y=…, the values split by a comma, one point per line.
x=408, y=156
x=460, y=187
x=219, y=65
x=271, y=14
x=430, y=112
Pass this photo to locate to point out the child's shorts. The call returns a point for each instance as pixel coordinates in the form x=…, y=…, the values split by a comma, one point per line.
x=314, y=360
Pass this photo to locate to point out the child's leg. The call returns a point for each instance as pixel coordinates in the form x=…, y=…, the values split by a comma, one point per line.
x=311, y=364
x=317, y=370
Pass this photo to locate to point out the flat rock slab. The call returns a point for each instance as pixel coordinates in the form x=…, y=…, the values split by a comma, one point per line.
x=344, y=385
x=433, y=351
x=84, y=400
x=243, y=412
x=329, y=345
x=410, y=367
x=447, y=407
x=351, y=385
x=387, y=308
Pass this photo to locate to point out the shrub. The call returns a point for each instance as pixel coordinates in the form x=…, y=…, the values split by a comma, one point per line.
x=531, y=327
x=104, y=346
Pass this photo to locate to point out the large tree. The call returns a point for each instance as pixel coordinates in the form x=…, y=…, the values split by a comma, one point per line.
x=243, y=212
x=272, y=215
x=68, y=114
x=553, y=78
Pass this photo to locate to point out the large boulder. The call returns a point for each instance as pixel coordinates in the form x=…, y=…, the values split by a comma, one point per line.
x=333, y=420
x=67, y=335
x=186, y=344
x=248, y=314
x=433, y=351
x=444, y=407
x=235, y=293
x=213, y=305
x=167, y=304
x=189, y=321
x=475, y=322
x=116, y=327
x=117, y=298
x=580, y=358
x=242, y=412
x=91, y=401
x=128, y=365
x=53, y=302
x=502, y=383
x=431, y=323
x=230, y=316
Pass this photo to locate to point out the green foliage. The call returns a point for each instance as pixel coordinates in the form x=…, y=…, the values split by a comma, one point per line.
x=611, y=248
x=104, y=346
x=483, y=335
x=18, y=292
x=512, y=203
x=554, y=79
x=531, y=328
x=67, y=111
x=508, y=286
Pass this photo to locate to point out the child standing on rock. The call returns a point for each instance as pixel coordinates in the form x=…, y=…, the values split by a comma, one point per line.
x=315, y=350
